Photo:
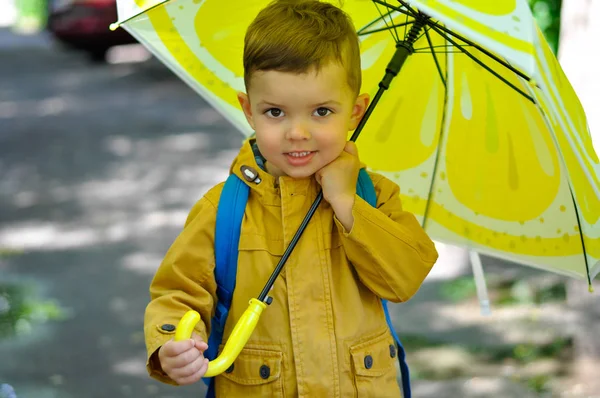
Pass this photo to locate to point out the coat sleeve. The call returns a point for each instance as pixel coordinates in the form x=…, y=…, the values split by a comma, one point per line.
x=390, y=251
x=184, y=281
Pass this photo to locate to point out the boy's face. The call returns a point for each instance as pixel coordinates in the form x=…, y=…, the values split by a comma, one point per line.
x=302, y=120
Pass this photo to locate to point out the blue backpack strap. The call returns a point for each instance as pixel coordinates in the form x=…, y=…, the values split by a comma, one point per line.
x=230, y=213
x=366, y=190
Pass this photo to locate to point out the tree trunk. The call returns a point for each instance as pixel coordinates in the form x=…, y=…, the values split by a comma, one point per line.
x=580, y=59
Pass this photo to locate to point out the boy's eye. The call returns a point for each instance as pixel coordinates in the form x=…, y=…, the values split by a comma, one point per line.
x=322, y=112
x=274, y=112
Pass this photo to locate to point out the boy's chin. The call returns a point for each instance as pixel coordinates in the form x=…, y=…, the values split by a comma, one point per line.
x=299, y=173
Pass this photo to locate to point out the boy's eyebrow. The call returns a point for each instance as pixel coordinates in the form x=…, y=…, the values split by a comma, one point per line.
x=261, y=103
x=333, y=102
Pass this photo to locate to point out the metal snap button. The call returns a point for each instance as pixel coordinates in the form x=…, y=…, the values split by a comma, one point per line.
x=392, y=351
x=368, y=362
x=265, y=372
x=250, y=174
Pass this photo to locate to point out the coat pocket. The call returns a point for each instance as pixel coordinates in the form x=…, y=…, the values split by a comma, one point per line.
x=255, y=373
x=374, y=368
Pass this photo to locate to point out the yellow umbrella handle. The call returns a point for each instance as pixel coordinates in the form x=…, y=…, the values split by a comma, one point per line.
x=237, y=340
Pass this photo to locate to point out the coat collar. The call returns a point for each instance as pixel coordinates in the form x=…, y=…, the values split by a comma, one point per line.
x=247, y=166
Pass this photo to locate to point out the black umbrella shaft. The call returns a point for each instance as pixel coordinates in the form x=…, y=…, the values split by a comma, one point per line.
x=291, y=246
x=402, y=52
x=393, y=68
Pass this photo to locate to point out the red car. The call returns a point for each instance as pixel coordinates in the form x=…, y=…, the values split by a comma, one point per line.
x=83, y=25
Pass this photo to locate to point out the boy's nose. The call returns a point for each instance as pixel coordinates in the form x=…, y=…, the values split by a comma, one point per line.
x=298, y=131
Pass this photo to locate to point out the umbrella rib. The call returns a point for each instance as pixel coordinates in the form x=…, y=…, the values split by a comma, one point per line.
x=430, y=47
x=428, y=51
x=396, y=38
x=393, y=27
x=405, y=26
x=585, y=260
x=412, y=13
x=435, y=24
x=435, y=59
x=362, y=33
x=436, y=161
x=468, y=54
x=483, y=50
x=408, y=11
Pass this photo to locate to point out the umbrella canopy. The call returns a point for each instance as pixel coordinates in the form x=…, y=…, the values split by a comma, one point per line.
x=481, y=129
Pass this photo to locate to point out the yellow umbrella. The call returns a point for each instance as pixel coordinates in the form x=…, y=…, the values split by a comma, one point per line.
x=481, y=129
x=529, y=188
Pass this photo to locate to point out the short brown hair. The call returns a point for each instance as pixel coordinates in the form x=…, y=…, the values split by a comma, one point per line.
x=297, y=35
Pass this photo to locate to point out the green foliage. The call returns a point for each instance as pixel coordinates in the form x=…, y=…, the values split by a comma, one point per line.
x=547, y=15
x=525, y=353
x=485, y=360
x=458, y=289
x=539, y=383
x=20, y=310
x=529, y=292
x=413, y=342
x=5, y=253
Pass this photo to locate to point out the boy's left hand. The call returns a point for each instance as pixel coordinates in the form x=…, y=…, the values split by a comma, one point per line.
x=338, y=179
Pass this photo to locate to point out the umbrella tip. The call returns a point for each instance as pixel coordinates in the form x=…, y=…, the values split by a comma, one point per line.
x=591, y=288
x=114, y=26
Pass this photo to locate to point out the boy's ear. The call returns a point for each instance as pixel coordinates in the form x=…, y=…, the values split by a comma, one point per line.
x=245, y=104
x=358, y=110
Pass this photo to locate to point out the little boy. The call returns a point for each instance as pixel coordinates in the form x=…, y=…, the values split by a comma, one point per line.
x=325, y=334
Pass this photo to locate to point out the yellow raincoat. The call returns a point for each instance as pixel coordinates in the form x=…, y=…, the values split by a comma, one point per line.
x=325, y=333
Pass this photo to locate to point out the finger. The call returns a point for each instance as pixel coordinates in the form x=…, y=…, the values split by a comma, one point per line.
x=185, y=358
x=195, y=377
x=351, y=148
x=189, y=369
x=318, y=177
x=204, y=367
x=200, y=343
x=174, y=348
x=197, y=337
x=202, y=346
x=185, y=381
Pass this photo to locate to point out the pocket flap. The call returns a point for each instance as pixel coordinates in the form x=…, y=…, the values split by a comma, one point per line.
x=254, y=367
x=251, y=242
x=372, y=357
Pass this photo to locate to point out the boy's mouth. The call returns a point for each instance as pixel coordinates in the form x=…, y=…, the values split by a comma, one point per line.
x=299, y=158
x=299, y=154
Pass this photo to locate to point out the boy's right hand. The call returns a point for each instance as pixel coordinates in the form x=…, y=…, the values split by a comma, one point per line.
x=183, y=361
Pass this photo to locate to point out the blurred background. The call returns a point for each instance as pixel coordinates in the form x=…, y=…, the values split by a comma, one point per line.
x=103, y=151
